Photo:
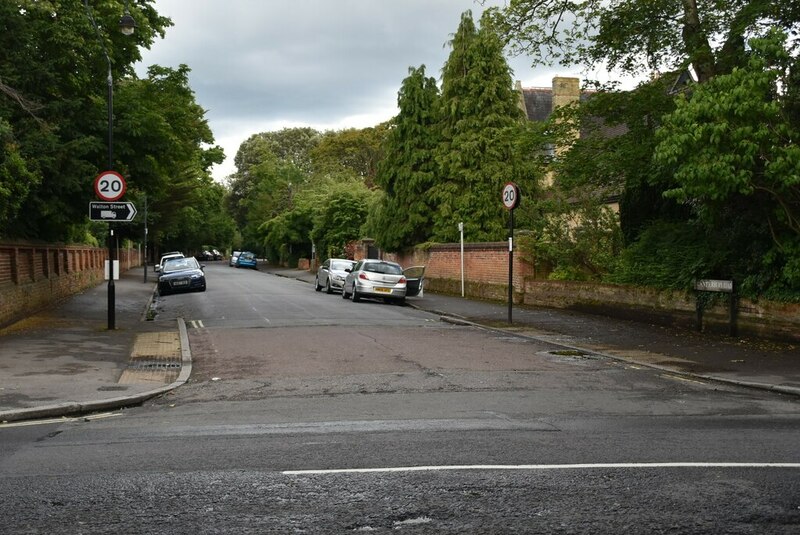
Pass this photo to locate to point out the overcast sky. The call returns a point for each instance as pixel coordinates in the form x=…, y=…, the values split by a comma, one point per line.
x=263, y=65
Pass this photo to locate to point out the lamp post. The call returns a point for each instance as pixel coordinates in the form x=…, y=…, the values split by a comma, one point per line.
x=127, y=26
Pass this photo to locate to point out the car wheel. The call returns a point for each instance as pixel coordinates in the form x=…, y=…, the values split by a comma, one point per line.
x=356, y=295
x=328, y=289
x=317, y=287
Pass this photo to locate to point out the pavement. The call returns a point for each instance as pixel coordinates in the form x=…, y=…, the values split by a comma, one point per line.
x=64, y=361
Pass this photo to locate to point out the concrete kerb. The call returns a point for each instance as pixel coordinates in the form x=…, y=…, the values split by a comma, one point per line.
x=78, y=408
x=789, y=390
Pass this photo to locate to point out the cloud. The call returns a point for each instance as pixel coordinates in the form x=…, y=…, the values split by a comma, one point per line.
x=330, y=64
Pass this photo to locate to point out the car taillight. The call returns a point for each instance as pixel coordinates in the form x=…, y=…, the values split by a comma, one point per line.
x=402, y=280
x=363, y=276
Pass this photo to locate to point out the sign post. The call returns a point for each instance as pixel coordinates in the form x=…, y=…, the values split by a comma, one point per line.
x=109, y=186
x=511, y=197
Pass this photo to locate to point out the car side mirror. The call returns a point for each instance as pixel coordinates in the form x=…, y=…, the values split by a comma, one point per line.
x=157, y=268
x=202, y=267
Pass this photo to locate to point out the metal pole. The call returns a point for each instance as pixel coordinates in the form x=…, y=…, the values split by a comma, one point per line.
x=111, y=249
x=144, y=257
x=461, y=231
x=510, y=264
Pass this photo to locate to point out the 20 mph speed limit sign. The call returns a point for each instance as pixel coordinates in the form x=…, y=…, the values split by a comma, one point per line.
x=109, y=186
x=510, y=195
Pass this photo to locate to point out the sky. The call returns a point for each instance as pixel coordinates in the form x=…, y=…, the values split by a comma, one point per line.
x=263, y=65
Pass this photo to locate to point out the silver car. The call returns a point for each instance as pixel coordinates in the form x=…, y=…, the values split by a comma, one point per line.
x=376, y=278
x=331, y=274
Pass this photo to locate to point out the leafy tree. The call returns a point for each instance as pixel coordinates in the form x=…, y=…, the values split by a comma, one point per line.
x=408, y=171
x=167, y=146
x=480, y=120
x=350, y=151
x=733, y=149
x=53, y=70
x=641, y=36
x=342, y=214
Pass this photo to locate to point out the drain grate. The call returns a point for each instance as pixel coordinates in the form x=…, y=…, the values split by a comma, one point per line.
x=154, y=365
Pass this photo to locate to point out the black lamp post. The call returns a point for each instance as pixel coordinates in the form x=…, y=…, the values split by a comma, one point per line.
x=127, y=26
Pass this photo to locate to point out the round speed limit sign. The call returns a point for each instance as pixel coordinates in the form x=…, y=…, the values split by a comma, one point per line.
x=510, y=195
x=109, y=186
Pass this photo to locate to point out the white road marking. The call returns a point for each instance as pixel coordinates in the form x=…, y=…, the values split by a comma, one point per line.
x=538, y=467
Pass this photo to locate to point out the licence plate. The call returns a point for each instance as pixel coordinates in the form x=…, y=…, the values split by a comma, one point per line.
x=180, y=283
x=384, y=290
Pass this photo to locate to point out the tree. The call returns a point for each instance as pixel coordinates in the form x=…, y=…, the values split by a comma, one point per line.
x=350, y=151
x=641, y=36
x=408, y=171
x=480, y=120
x=52, y=71
x=339, y=221
x=733, y=150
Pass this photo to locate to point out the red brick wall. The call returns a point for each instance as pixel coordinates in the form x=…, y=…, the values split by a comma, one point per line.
x=33, y=277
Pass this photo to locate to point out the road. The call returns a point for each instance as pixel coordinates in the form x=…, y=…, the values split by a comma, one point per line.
x=306, y=413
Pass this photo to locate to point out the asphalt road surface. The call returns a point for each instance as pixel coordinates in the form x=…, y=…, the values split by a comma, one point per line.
x=306, y=413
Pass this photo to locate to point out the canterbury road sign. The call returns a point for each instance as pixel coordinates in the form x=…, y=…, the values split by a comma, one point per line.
x=112, y=211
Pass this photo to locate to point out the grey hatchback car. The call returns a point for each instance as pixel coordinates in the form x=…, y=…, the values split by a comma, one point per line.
x=376, y=278
x=331, y=274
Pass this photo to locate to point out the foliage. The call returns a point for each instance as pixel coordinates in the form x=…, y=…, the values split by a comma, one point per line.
x=53, y=70
x=733, y=144
x=351, y=151
x=339, y=221
x=480, y=119
x=404, y=215
x=640, y=36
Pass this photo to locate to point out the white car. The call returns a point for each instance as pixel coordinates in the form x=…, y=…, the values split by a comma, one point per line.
x=165, y=257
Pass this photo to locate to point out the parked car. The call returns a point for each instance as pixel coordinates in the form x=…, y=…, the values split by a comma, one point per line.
x=205, y=256
x=181, y=275
x=331, y=274
x=234, y=256
x=167, y=256
x=247, y=260
x=217, y=255
x=377, y=279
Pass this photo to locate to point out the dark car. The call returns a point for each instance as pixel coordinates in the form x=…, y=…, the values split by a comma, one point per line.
x=181, y=275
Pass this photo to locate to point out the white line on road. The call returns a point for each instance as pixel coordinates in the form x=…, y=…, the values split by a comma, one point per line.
x=538, y=467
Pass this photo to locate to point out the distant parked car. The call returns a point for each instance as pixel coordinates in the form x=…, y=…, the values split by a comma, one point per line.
x=247, y=260
x=331, y=274
x=205, y=256
x=167, y=256
x=181, y=275
x=216, y=254
x=377, y=279
x=234, y=256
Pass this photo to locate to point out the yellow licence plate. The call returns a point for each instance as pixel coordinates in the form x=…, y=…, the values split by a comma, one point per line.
x=384, y=290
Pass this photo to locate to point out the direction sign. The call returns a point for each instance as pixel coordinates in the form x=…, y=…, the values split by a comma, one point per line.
x=112, y=211
x=109, y=186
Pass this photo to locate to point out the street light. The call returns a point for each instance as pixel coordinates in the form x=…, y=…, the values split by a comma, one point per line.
x=127, y=26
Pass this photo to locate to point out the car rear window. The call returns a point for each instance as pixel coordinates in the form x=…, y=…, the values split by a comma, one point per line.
x=383, y=267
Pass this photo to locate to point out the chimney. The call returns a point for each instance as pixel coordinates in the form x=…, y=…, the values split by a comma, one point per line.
x=565, y=91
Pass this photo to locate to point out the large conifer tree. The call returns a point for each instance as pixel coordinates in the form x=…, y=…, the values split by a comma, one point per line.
x=408, y=170
x=479, y=118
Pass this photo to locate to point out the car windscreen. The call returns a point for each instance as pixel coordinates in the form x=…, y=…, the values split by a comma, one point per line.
x=180, y=264
x=341, y=266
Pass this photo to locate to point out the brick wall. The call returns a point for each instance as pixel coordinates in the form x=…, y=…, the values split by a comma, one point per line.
x=486, y=277
x=33, y=277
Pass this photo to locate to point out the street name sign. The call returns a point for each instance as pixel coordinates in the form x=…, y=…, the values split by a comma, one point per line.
x=713, y=285
x=112, y=211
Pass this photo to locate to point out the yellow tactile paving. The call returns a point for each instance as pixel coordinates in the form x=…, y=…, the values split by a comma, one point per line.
x=156, y=358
